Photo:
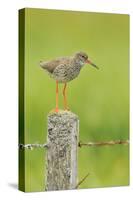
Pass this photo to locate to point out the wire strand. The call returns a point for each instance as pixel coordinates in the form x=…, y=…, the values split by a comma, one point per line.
x=80, y=144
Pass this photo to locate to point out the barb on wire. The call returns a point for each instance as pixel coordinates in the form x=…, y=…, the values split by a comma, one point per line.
x=106, y=143
x=32, y=146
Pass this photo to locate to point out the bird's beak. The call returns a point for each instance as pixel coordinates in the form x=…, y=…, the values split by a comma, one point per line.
x=89, y=62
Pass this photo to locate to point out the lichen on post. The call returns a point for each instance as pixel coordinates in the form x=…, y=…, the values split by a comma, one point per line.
x=61, y=159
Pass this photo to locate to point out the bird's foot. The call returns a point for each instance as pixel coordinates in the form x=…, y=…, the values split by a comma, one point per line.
x=67, y=109
x=55, y=110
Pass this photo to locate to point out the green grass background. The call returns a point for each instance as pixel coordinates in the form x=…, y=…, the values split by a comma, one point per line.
x=99, y=97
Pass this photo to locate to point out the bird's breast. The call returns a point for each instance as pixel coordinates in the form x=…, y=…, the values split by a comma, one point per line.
x=66, y=73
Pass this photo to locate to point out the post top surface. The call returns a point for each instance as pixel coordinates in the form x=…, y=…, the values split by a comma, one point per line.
x=62, y=113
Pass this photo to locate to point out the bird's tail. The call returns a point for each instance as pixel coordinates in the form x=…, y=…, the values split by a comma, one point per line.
x=43, y=64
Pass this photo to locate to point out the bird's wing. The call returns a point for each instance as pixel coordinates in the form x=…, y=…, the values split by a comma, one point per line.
x=51, y=65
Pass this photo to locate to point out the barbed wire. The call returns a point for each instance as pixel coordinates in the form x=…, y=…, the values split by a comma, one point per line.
x=32, y=146
x=80, y=144
x=104, y=143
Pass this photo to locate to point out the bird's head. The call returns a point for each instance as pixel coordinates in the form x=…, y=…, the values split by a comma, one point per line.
x=83, y=59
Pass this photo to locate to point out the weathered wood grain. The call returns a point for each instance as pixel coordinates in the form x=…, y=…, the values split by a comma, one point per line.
x=62, y=141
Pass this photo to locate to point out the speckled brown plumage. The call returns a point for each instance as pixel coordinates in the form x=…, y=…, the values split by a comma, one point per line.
x=65, y=69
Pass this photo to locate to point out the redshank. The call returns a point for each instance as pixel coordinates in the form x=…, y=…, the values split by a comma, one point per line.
x=65, y=69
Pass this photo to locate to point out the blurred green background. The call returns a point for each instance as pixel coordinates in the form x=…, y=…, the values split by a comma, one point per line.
x=99, y=97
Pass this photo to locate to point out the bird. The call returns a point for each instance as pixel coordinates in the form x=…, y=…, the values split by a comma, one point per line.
x=64, y=70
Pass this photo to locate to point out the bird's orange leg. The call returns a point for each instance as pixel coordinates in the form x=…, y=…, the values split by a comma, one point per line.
x=56, y=108
x=65, y=99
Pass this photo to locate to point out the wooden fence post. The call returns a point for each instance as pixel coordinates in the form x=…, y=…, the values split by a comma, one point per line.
x=61, y=159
